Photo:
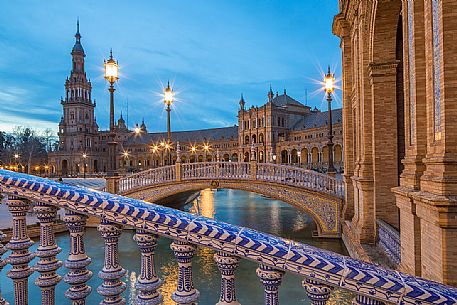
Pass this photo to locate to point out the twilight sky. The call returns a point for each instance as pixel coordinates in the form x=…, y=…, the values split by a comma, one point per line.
x=210, y=50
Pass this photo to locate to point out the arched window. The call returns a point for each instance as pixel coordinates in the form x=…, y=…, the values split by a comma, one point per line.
x=254, y=138
x=261, y=138
x=246, y=140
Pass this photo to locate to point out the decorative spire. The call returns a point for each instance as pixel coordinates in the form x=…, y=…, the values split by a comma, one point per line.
x=270, y=94
x=77, y=35
x=110, y=53
x=285, y=91
x=78, y=47
x=242, y=103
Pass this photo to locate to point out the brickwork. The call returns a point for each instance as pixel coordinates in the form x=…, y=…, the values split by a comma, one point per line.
x=417, y=99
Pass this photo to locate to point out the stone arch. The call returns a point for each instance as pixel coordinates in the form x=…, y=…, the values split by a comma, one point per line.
x=314, y=155
x=234, y=157
x=226, y=157
x=294, y=156
x=324, y=210
x=246, y=139
x=200, y=158
x=246, y=157
x=387, y=109
x=64, y=167
x=209, y=158
x=261, y=139
x=304, y=155
x=325, y=154
x=192, y=159
x=183, y=159
x=284, y=156
x=254, y=138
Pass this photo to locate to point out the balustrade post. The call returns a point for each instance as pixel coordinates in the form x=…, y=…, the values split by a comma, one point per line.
x=271, y=280
x=77, y=260
x=178, y=162
x=2, y=264
x=185, y=294
x=112, y=184
x=318, y=293
x=148, y=282
x=19, y=244
x=47, y=251
x=112, y=272
x=227, y=265
x=364, y=300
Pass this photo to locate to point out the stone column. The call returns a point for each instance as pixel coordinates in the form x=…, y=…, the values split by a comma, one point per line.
x=227, y=265
x=77, y=260
x=2, y=264
x=185, y=294
x=318, y=293
x=112, y=272
x=19, y=245
x=364, y=300
x=47, y=251
x=148, y=282
x=271, y=280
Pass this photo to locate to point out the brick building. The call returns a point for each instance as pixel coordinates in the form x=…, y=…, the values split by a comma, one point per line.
x=400, y=144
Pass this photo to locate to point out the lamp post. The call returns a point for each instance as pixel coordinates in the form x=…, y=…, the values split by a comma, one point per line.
x=206, y=150
x=329, y=81
x=84, y=165
x=168, y=100
x=299, y=157
x=111, y=75
x=16, y=156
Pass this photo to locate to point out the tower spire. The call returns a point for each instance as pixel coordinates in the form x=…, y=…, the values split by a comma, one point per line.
x=270, y=94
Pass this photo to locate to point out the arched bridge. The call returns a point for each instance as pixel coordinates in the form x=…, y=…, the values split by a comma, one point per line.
x=319, y=195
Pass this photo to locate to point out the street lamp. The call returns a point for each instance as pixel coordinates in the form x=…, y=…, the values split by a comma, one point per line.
x=111, y=75
x=299, y=157
x=84, y=165
x=206, y=149
x=329, y=81
x=168, y=97
x=16, y=156
x=274, y=158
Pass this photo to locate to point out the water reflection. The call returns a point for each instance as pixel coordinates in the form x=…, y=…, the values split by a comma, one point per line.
x=237, y=207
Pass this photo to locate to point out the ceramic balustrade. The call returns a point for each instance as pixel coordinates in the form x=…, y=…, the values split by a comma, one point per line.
x=322, y=271
x=275, y=173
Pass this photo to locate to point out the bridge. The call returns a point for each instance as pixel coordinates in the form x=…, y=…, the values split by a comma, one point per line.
x=322, y=271
x=319, y=195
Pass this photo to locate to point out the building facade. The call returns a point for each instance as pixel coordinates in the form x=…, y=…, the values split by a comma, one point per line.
x=282, y=131
x=399, y=105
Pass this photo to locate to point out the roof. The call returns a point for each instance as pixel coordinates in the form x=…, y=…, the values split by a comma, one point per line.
x=187, y=136
x=318, y=119
x=283, y=100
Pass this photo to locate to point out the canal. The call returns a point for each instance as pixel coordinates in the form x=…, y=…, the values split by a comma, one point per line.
x=233, y=206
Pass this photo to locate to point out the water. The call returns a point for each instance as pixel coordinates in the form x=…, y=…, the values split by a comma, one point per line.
x=237, y=207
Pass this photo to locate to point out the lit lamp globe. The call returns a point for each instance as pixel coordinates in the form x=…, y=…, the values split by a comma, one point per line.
x=329, y=82
x=168, y=95
x=111, y=69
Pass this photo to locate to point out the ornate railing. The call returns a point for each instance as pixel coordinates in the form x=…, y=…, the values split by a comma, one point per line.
x=322, y=271
x=283, y=174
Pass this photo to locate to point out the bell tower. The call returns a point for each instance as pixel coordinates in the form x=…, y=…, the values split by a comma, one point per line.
x=78, y=129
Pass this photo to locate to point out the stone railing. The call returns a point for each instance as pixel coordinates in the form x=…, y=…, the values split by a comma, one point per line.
x=283, y=174
x=322, y=271
x=389, y=241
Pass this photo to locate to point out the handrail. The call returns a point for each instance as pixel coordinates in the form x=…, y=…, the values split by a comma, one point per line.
x=273, y=173
x=322, y=266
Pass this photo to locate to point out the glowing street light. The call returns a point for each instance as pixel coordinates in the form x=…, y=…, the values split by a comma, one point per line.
x=111, y=75
x=84, y=164
x=329, y=88
x=168, y=98
x=137, y=130
x=193, y=149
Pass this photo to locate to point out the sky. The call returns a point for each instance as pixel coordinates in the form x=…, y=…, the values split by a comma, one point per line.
x=211, y=51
